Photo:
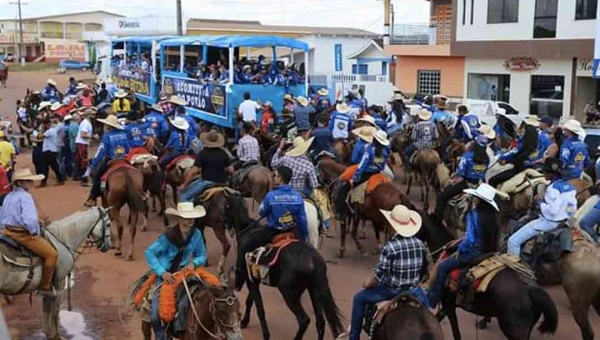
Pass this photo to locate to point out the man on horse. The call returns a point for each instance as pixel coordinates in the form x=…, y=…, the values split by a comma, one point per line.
x=19, y=221
x=135, y=130
x=340, y=123
x=178, y=143
x=72, y=88
x=544, y=137
x=374, y=158
x=304, y=174
x=440, y=115
x=50, y=92
x=156, y=121
x=114, y=145
x=559, y=204
x=467, y=125
x=288, y=128
x=248, y=149
x=283, y=208
x=424, y=136
x=180, y=248
x=194, y=129
x=402, y=264
x=574, y=155
x=505, y=127
x=395, y=114
x=323, y=137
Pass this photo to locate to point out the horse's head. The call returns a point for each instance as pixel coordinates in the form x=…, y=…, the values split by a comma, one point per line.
x=225, y=310
x=100, y=233
x=235, y=214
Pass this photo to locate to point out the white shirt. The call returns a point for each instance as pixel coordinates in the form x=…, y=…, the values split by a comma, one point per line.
x=248, y=110
x=560, y=202
x=84, y=126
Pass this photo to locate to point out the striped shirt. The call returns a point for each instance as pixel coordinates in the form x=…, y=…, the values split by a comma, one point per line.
x=304, y=172
x=248, y=149
x=400, y=262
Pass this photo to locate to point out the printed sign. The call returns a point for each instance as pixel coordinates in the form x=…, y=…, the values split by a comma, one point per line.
x=65, y=51
x=210, y=98
x=135, y=79
x=338, y=57
x=522, y=64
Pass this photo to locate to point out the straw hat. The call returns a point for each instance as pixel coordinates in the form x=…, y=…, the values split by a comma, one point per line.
x=573, y=126
x=44, y=105
x=246, y=67
x=157, y=108
x=302, y=101
x=55, y=106
x=288, y=97
x=397, y=96
x=187, y=210
x=381, y=137
x=121, y=94
x=342, y=108
x=405, y=222
x=485, y=192
x=180, y=123
x=81, y=86
x=212, y=139
x=68, y=117
x=177, y=101
x=367, y=119
x=425, y=114
x=26, y=175
x=301, y=146
x=487, y=131
x=532, y=120
x=113, y=121
x=323, y=92
x=366, y=133
x=51, y=81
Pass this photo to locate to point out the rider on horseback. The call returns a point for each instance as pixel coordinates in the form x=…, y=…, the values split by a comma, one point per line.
x=248, y=150
x=114, y=145
x=304, y=174
x=135, y=130
x=19, y=221
x=283, y=207
x=467, y=125
x=178, y=143
x=50, y=92
x=323, y=137
x=374, y=158
x=396, y=114
x=574, y=155
x=340, y=123
x=424, y=136
x=156, y=121
x=440, y=115
x=288, y=128
x=505, y=127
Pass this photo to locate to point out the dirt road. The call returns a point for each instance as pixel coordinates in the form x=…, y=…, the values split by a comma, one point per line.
x=102, y=280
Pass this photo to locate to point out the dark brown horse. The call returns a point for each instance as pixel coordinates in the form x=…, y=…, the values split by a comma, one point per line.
x=124, y=186
x=406, y=322
x=154, y=179
x=424, y=166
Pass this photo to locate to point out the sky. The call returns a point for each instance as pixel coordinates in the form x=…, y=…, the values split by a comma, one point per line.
x=363, y=14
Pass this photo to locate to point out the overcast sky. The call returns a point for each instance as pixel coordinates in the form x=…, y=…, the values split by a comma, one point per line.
x=364, y=14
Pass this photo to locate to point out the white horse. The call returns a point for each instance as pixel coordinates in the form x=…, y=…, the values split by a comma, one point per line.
x=312, y=218
x=66, y=235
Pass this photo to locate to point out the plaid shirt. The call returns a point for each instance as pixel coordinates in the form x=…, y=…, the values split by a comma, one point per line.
x=400, y=262
x=248, y=149
x=425, y=135
x=303, y=170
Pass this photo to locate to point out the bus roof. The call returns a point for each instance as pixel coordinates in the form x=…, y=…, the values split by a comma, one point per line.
x=227, y=41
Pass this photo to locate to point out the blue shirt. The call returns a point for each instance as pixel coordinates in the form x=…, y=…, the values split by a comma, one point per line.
x=472, y=245
x=158, y=123
x=510, y=155
x=323, y=140
x=50, y=94
x=544, y=142
x=50, y=140
x=162, y=252
x=194, y=129
x=379, y=121
x=469, y=170
x=284, y=209
x=340, y=125
x=178, y=141
x=71, y=90
x=467, y=127
x=18, y=210
x=370, y=163
x=135, y=133
x=114, y=144
x=574, y=157
x=358, y=150
x=441, y=116
x=302, y=114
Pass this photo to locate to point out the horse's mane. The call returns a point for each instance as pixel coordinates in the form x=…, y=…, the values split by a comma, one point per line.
x=79, y=218
x=238, y=210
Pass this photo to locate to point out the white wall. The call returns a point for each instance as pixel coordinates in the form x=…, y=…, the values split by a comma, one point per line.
x=567, y=26
x=520, y=82
x=324, y=55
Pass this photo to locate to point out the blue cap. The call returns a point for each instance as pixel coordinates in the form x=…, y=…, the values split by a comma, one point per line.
x=547, y=120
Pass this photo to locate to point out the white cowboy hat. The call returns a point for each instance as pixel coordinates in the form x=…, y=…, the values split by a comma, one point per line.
x=405, y=222
x=44, y=105
x=381, y=137
x=157, y=107
x=302, y=101
x=573, y=126
x=487, y=131
x=55, y=106
x=26, y=175
x=323, y=92
x=177, y=101
x=532, y=120
x=180, y=123
x=51, y=81
x=366, y=133
x=342, y=108
x=288, y=97
x=301, y=146
x=68, y=117
x=485, y=192
x=246, y=67
x=113, y=121
x=425, y=114
x=81, y=86
x=121, y=94
x=397, y=96
x=187, y=210
x=367, y=119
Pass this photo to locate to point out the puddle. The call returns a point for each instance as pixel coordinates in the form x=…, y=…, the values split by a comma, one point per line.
x=73, y=325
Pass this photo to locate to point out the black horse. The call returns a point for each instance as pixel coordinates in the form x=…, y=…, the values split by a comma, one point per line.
x=517, y=305
x=300, y=267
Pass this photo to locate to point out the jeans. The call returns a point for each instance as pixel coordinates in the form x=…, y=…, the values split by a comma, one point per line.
x=193, y=190
x=527, y=232
x=37, y=157
x=155, y=321
x=589, y=222
x=445, y=267
x=67, y=161
x=410, y=150
x=364, y=298
x=50, y=161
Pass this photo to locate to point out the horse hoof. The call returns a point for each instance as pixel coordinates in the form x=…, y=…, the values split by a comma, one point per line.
x=118, y=254
x=244, y=324
x=129, y=257
x=340, y=254
x=482, y=324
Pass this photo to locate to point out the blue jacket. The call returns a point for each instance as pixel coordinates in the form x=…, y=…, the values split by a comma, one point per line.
x=370, y=163
x=158, y=123
x=178, y=141
x=469, y=170
x=162, y=252
x=340, y=125
x=358, y=150
x=544, y=141
x=50, y=94
x=574, y=157
x=284, y=209
x=115, y=144
x=323, y=140
x=467, y=127
x=303, y=114
x=194, y=129
x=135, y=132
x=510, y=155
x=472, y=245
x=379, y=121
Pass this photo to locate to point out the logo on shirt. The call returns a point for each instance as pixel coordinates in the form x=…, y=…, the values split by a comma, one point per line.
x=341, y=125
x=479, y=168
x=119, y=150
x=286, y=219
x=580, y=157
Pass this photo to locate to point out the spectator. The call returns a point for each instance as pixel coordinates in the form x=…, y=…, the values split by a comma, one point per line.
x=304, y=114
x=247, y=110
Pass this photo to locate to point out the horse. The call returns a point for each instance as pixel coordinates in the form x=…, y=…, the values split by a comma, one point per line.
x=256, y=183
x=124, y=185
x=516, y=305
x=300, y=267
x=66, y=235
x=425, y=164
x=406, y=322
x=154, y=178
x=343, y=150
x=176, y=175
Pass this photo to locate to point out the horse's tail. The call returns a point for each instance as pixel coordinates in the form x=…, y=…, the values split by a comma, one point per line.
x=135, y=198
x=544, y=304
x=332, y=312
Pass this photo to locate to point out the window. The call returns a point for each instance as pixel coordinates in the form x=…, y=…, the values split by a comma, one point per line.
x=545, y=19
x=547, y=96
x=586, y=9
x=384, y=67
x=464, y=18
x=360, y=69
x=472, y=10
x=503, y=11
x=494, y=87
x=428, y=82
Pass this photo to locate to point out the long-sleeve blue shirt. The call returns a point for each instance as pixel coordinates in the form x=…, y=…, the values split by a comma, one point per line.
x=574, y=157
x=510, y=155
x=284, y=209
x=162, y=252
x=50, y=94
x=114, y=144
x=371, y=163
x=544, y=141
x=472, y=245
x=469, y=170
x=178, y=141
x=467, y=127
x=135, y=133
x=358, y=150
x=194, y=129
x=71, y=90
x=158, y=123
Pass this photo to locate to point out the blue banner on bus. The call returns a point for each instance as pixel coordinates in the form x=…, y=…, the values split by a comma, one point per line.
x=134, y=78
x=207, y=97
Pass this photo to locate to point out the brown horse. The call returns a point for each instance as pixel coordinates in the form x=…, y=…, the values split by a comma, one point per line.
x=124, y=186
x=407, y=322
x=343, y=150
x=255, y=184
x=176, y=175
x=154, y=178
x=425, y=164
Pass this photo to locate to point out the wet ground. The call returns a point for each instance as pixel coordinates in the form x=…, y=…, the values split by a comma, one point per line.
x=102, y=281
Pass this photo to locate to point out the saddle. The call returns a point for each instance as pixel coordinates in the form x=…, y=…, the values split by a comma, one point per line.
x=375, y=313
x=324, y=153
x=358, y=194
x=211, y=190
x=260, y=261
x=140, y=156
x=240, y=175
x=548, y=247
x=523, y=180
x=182, y=163
x=115, y=164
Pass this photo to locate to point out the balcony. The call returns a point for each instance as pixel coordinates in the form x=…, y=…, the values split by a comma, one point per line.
x=420, y=39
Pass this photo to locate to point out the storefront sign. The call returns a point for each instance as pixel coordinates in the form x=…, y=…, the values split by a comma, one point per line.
x=521, y=64
x=135, y=79
x=12, y=38
x=209, y=98
x=585, y=67
x=65, y=51
x=147, y=25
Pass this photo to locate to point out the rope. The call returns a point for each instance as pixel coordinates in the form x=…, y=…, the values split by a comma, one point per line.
x=193, y=306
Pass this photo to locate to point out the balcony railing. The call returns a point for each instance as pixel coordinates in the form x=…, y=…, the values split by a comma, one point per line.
x=52, y=35
x=324, y=79
x=73, y=35
x=421, y=34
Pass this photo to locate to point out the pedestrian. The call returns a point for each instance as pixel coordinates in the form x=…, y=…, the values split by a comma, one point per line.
x=50, y=150
x=7, y=155
x=304, y=113
x=73, y=130
x=304, y=177
x=247, y=110
x=248, y=149
x=82, y=141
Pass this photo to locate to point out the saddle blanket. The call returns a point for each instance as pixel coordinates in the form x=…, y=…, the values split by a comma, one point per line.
x=115, y=165
x=140, y=156
x=239, y=176
x=260, y=261
x=357, y=195
x=190, y=159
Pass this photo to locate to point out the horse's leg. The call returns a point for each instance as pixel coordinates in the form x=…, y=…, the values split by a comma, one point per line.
x=163, y=206
x=115, y=216
x=134, y=216
x=353, y=233
x=220, y=234
x=246, y=319
x=147, y=330
x=408, y=175
x=363, y=227
x=318, y=308
x=144, y=216
x=450, y=311
x=292, y=293
x=254, y=289
x=51, y=325
x=580, y=314
x=343, y=231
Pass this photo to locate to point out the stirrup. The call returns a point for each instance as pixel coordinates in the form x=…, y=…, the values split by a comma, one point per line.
x=47, y=293
x=90, y=203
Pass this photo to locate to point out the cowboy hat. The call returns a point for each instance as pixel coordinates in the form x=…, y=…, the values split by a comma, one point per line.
x=485, y=192
x=405, y=222
x=68, y=117
x=487, y=131
x=163, y=95
x=157, y=108
x=55, y=106
x=342, y=108
x=397, y=96
x=44, y=105
x=301, y=146
x=246, y=67
x=177, y=101
x=121, y=94
x=212, y=139
x=425, y=114
x=532, y=120
x=367, y=119
x=288, y=97
x=81, y=86
x=51, y=81
x=381, y=137
x=187, y=210
x=113, y=121
x=26, y=175
x=573, y=126
x=366, y=133
x=323, y=92
x=180, y=123
x=302, y=101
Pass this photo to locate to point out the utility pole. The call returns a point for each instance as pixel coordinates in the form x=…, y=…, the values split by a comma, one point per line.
x=179, y=19
x=21, y=56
